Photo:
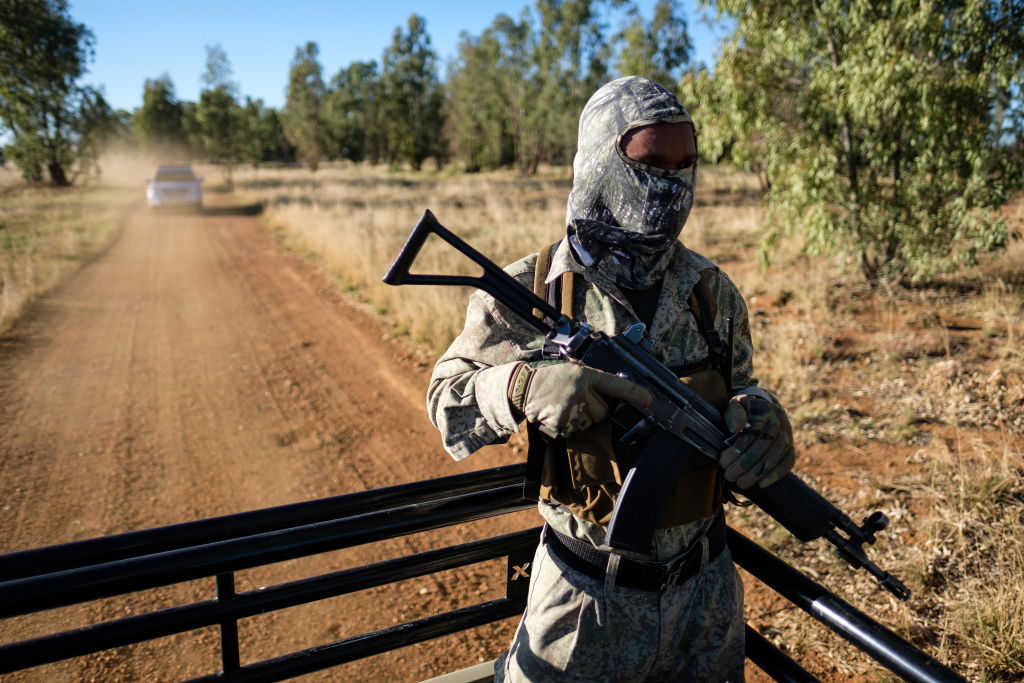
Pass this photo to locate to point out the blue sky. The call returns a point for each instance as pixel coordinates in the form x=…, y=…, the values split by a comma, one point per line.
x=139, y=40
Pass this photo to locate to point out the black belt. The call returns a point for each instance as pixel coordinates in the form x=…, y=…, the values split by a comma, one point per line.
x=645, y=576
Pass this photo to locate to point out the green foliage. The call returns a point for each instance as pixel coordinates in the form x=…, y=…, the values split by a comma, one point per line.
x=54, y=122
x=217, y=73
x=656, y=49
x=262, y=136
x=302, y=116
x=352, y=112
x=413, y=99
x=190, y=129
x=485, y=86
x=93, y=126
x=220, y=128
x=158, y=122
x=515, y=92
x=873, y=125
x=491, y=89
x=219, y=117
x=570, y=59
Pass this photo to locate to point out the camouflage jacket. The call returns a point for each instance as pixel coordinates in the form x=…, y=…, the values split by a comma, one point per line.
x=467, y=396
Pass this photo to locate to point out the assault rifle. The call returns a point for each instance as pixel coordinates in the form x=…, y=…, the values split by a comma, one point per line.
x=678, y=421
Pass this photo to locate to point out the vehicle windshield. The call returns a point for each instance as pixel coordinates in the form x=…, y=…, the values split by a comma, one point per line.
x=175, y=175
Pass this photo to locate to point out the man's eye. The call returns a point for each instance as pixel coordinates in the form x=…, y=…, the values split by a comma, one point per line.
x=666, y=163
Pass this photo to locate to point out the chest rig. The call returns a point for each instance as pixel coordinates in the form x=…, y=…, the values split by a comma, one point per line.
x=585, y=470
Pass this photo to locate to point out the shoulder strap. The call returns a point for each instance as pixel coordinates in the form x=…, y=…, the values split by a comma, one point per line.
x=541, y=449
x=705, y=309
x=549, y=292
x=540, y=271
x=559, y=292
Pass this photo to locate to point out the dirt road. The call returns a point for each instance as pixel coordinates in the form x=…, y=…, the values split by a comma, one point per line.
x=196, y=369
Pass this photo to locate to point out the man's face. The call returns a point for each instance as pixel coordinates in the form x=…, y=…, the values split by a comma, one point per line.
x=668, y=146
x=634, y=180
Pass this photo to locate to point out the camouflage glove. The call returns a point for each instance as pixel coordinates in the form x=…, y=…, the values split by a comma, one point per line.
x=568, y=397
x=761, y=449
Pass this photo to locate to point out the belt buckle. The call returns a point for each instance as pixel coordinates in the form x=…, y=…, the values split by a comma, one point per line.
x=672, y=575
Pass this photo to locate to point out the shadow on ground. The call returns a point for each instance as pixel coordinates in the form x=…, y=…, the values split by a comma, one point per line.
x=242, y=210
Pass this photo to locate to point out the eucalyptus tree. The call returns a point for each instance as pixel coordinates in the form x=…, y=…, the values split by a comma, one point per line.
x=570, y=60
x=353, y=112
x=251, y=144
x=262, y=136
x=874, y=123
x=264, y=125
x=158, y=124
x=658, y=48
x=190, y=130
x=412, y=96
x=52, y=120
x=479, y=114
x=492, y=87
x=218, y=114
x=302, y=116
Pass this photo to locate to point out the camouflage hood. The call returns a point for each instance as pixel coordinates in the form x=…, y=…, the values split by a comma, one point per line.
x=623, y=216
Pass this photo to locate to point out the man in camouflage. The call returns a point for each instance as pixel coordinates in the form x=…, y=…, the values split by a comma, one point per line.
x=675, y=613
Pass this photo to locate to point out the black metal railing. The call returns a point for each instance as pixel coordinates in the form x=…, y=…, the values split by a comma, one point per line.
x=45, y=578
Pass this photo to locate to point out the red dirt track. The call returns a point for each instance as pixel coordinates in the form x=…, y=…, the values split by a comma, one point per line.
x=196, y=369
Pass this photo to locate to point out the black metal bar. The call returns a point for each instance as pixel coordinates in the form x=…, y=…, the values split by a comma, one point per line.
x=774, y=661
x=161, y=539
x=333, y=654
x=229, y=655
x=68, y=587
x=366, y=519
x=173, y=620
x=881, y=644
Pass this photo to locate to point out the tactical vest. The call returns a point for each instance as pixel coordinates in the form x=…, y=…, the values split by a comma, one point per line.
x=585, y=470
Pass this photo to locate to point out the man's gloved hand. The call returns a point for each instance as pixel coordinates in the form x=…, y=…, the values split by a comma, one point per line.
x=762, y=446
x=568, y=397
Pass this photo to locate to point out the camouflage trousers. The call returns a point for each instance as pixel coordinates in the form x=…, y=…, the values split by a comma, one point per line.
x=573, y=630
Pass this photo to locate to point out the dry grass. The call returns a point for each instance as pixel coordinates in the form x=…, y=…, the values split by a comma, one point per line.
x=954, y=539
x=972, y=554
x=356, y=218
x=46, y=233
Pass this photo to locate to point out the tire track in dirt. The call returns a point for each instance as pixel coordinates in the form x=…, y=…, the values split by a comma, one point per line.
x=196, y=370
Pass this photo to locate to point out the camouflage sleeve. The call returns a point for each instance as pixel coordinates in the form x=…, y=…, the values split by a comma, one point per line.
x=467, y=396
x=731, y=304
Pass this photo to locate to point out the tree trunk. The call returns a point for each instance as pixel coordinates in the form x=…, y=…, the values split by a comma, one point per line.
x=57, y=175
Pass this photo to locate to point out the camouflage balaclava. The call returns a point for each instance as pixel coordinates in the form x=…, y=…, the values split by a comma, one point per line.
x=623, y=216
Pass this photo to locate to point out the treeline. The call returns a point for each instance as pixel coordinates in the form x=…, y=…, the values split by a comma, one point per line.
x=889, y=131
x=221, y=127
x=511, y=95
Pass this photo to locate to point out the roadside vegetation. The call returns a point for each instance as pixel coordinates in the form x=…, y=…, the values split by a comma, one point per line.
x=47, y=233
x=905, y=398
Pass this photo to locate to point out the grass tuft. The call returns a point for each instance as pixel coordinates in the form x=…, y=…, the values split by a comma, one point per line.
x=47, y=233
